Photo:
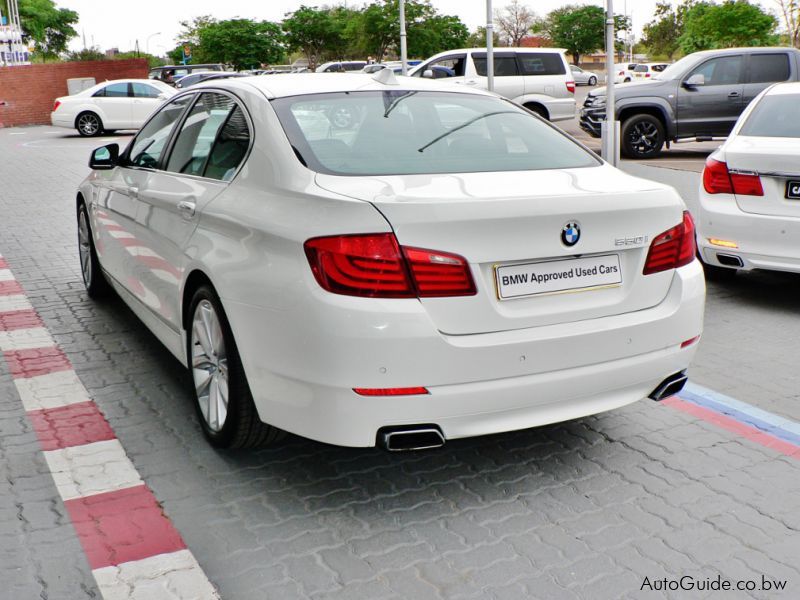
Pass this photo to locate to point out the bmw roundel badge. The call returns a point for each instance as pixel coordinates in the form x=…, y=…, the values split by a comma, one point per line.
x=571, y=233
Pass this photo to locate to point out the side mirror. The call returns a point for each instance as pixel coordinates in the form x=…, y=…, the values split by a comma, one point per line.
x=428, y=73
x=105, y=157
x=695, y=80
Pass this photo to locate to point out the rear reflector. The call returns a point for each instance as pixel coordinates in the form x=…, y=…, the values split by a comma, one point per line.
x=410, y=391
x=718, y=180
x=376, y=266
x=689, y=342
x=571, y=87
x=672, y=249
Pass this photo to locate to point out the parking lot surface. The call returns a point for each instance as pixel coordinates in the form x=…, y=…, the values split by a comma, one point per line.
x=603, y=507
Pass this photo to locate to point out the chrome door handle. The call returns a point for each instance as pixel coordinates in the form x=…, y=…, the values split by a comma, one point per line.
x=187, y=209
x=133, y=192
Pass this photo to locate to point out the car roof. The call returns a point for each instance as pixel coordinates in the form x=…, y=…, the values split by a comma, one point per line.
x=788, y=87
x=298, y=84
x=746, y=49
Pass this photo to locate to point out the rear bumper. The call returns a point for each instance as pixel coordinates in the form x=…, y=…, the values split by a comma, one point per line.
x=478, y=384
x=61, y=120
x=764, y=241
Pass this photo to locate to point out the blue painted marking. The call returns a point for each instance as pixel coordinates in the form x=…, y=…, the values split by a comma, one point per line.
x=780, y=427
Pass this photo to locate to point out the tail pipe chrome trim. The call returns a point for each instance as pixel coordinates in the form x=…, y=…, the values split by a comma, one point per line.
x=410, y=437
x=669, y=387
x=729, y=260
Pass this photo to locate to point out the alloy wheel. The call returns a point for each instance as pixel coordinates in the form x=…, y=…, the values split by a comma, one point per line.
x=209, y=365
x=89, y=124
x=644, y=136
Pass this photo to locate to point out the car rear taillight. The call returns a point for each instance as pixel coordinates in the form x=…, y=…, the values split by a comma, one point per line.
x=56, y=104
x=672, y=249
x=376, y=266
x=718, y=180
x=647, y=74
x=571, y=87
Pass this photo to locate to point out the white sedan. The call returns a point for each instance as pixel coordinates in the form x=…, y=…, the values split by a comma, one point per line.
x=444, y=265
x=118, y=104
x=748, y=216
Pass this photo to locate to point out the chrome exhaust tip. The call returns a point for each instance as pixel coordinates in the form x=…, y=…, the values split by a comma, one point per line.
x=669, y=387
x=730, y=260
x=413, y=437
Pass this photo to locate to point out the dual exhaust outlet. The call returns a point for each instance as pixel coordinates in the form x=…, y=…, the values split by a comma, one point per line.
x=426, y=437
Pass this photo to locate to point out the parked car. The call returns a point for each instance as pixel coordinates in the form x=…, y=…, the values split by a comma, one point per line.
x=171, y=74
x=449, y=265
x=118, y=104
x=194, y=78
x=697, y=98
x=536, y=78
x=341, y=66
x=624, y=72
x=582, y=77
x=648, y=70
x=748, y=214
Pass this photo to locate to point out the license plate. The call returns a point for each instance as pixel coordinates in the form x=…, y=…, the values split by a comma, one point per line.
x=793, y=190
x=558, y=276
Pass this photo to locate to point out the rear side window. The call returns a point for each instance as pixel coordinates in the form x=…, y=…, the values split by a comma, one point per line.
x=504, y=65
x=541, y=64
x=115, y=90
x=767, y=68
x=774, y=116
x=213, y=140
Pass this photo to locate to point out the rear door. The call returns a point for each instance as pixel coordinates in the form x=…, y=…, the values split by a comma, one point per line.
x=713, y=107
x=544, y=73
x=115, y=104
x=205, y=155
x=508, y=81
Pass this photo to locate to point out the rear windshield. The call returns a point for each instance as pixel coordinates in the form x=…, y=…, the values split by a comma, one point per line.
x=413, y=132
x=774, y=116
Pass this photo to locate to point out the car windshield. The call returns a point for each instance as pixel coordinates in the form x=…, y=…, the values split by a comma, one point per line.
x=418, y=132
x=774, y=116
x=679, y=69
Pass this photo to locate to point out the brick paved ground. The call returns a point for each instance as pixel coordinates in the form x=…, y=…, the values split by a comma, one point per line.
x=585, y=509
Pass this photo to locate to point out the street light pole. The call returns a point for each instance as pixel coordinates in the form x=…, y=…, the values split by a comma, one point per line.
x=147, y=42
x=489, y=46
x=609, y=129
x=403, y=48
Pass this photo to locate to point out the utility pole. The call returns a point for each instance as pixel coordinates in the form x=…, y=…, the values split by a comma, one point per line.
x=403, y=47
x=489, y=46
x=609, y=129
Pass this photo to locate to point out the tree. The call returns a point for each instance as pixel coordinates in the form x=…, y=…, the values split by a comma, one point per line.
x=727, y=25
x=790, y=10
x=92, y=53
x=662, y=33
x=514, y=22
x=189, y=35
x=152, y=61
x=312, y=31
x=49, y=27
x=243, y=43
x=477, y=39
x=580, y=29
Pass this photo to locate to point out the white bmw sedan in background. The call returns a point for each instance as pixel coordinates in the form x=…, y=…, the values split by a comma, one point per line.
x=748, y=216
x=441, y=264
x=118, y=104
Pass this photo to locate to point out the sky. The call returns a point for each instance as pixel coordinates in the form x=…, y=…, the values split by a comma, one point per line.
x=155, y=23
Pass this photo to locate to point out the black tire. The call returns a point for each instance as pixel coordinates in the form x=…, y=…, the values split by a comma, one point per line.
x=627, y=80
x=592, y=80
x=539, y=110
x=89, y=124
x=242, y=427
x=93, y=278
x=642, y=137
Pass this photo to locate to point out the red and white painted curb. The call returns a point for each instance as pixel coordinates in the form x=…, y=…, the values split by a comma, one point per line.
x=132, y=547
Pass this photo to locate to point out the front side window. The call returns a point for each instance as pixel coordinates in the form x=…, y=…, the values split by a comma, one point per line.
x=725, y=70
x=414, y=132
x=449, y=66
x=148, y=145
x=768, y=68
x=541, y=63
x=213, y=140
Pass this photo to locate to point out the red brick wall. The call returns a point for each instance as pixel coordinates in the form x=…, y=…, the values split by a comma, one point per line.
x=27, y=92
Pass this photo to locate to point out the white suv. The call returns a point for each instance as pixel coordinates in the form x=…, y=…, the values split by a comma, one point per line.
x=536, y=78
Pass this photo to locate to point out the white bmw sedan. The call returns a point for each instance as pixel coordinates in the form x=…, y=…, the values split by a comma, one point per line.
x=748, y=216
x=440, y=264
x=118, y=104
